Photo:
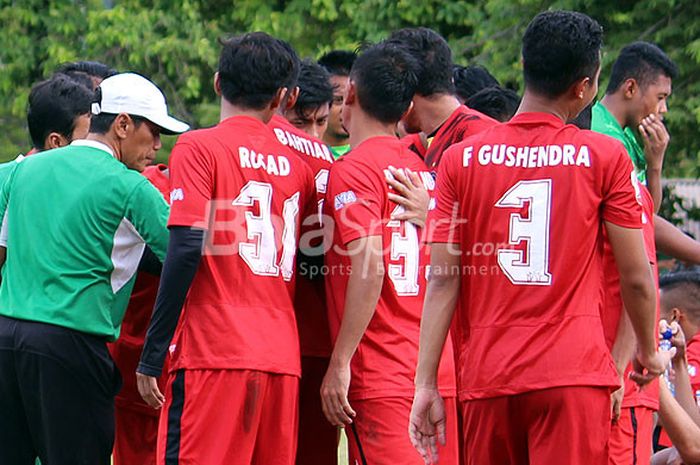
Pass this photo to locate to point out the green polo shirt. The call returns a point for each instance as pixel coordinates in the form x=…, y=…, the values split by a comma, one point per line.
x=340, y=150
x=604, y=122
x=77, y=222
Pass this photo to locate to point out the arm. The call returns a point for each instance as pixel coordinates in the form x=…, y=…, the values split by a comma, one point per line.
x=684, y=433
x=179, y=269
x=685, y=395
x=622, y=353
x=427, y=413
x=411, y=195
x=362, y=295
x=673, y=242
x=656, y=138
x=638, y=295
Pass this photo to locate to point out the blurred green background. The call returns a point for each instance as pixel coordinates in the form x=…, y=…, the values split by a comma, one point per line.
x=175, y=44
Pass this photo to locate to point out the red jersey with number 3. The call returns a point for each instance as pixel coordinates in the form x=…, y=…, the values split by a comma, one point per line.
x=310, y=297
x=524, y=202
x=250, y=193
x=462, y=123
x=385, y=361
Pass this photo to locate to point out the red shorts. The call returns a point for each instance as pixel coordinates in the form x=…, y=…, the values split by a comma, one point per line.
x=135, y=437
x=568, y=425
x=318, y=439
x=631, y=437
x=382, y=426
x=229, y=417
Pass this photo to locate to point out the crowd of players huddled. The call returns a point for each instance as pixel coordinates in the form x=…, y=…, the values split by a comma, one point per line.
x=379, y=240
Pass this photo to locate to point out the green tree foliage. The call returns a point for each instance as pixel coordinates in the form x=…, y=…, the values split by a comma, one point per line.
x=175, y=44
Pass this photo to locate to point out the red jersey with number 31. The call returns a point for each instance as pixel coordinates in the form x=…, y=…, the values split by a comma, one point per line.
x=524, y=202
x=385, y=361
x=250, y=193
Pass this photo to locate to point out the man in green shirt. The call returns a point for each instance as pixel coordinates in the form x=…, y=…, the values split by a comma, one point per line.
x=338, y=64
x=635, y=100
x=77, y=221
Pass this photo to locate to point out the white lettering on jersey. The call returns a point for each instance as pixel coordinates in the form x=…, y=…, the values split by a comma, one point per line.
x=176, y=194
x=303, y=145
x=529, y=157
x=275, y=165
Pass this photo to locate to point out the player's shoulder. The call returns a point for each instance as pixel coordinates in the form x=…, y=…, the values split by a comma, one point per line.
x=470, y=114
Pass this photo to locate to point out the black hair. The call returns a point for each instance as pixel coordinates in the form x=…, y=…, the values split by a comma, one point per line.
x=496, y=102
x=314, y=88
x=560, y=48
x=643, y=62
x=434, y=58
x=583, y=119
x=471, y=79
x=338, y=62
x=84, y=71
x=54, y=106
x=681, y=289
x=385, y=81
x=254, y=66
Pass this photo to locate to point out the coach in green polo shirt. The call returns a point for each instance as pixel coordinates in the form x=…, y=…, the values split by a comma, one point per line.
x=76, y=223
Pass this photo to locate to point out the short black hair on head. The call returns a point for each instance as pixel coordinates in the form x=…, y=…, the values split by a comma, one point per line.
x=643, y=62
x=54, y=106
x=560, y=48
x=471, y=79
x=84, y=71
x=385, y=81
x=434, y=58
x=314, y=88
x=681, y=289
x=338, y=62
x=496, y=102
x=253, y=66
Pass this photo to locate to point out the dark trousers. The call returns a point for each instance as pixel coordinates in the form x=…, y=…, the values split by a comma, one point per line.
x=57, y=389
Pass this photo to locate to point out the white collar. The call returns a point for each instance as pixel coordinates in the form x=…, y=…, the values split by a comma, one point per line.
x=94, y=144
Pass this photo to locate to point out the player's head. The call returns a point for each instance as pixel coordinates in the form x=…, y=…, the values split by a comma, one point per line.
x=680, y=299
x=338, y=63
x=130, y=113
x=310, y=111
x=88, y=73
x=642, y=75
x=255, y=71
x=58, y=112
x=496, y=102
x=561, y=57
x=471, y=79
x=434, y=58
x=382, y=83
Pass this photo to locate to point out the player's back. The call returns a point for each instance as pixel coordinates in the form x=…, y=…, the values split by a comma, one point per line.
x=533, y=193
x=251, y=194
x=384, y=364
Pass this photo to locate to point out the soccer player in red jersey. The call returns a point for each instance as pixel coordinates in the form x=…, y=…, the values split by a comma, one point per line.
x=436, y=110
x=535, y=374
x=377, y=272
x=136, y=423
x=237, y=201
x=318, y=440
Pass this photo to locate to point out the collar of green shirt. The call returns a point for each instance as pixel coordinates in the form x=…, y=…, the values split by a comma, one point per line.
x=94, y=144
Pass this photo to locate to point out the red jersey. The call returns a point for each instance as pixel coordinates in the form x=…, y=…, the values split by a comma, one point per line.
x=525, y=202
x=693, y=355
x=415, y=144
x=126, y=351
x=612, y=308
x=462, y=123
x=310, y=296
x=250, y=193
x=385, y=361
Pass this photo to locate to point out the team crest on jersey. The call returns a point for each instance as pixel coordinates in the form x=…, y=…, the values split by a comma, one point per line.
x=344, y=198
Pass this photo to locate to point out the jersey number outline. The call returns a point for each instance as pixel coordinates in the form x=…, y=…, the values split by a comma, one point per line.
x=404, y=277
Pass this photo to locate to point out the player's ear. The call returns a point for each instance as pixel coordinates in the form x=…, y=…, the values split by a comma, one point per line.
x=350, y=93
x=676, y=314
x=121, y=124
x=291, y=98
x=217, y=84
x=580, y=87
x=630, y=87
x=55, y=140
x=277, y=99
x=408, y=110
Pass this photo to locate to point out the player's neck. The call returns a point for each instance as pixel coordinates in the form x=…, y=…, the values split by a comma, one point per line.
x=333, y=140
x=363, y=127
x=616, y=106
x=109, y=141
x=433, y=111
x=229, y=110
x=535, y=103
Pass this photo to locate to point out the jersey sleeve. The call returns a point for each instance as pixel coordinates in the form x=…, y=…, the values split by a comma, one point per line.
x=356, y=196
x=443, y=226
x=148, y=212
x=622, y=202
x=191, y=183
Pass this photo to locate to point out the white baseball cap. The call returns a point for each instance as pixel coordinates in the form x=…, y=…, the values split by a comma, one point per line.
x=134, y=94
